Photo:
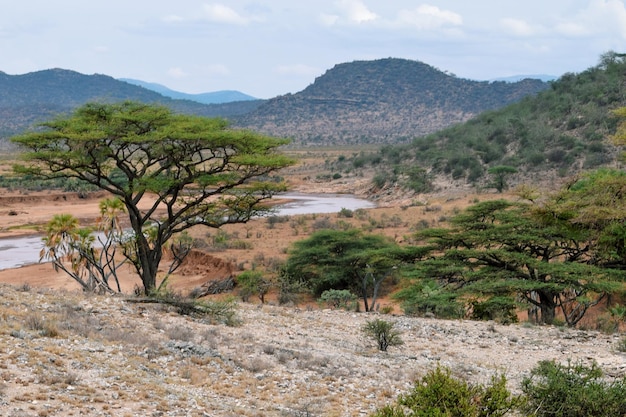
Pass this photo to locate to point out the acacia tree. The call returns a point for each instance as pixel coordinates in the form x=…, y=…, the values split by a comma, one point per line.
x=171, y=171
x=499, y=248
x=346, y=259
x=500, y=173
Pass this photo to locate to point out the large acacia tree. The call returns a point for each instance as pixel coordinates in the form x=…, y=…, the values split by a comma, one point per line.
x=501, y=248
x=171, y=171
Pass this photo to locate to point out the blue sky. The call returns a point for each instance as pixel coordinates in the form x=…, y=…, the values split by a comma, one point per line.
x=267, y=48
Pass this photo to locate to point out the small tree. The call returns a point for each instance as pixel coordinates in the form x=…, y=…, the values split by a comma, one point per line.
x=500, y=173
x=171, y=171
x=383, y=333
x=347, y=259
x=72, y=248
x=253, y=283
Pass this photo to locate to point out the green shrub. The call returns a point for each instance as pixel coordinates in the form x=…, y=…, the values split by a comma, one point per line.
x=253, y=283
x=383, y=333
x=500, y=309
x=338, y=298
x=344, y=212
x=573, y=390
x=438, y=394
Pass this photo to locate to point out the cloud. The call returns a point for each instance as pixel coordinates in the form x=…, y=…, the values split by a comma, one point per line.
x=356, y=11
x=517, y=27
x=426, y=17
x=599, y=17
x=223, y=14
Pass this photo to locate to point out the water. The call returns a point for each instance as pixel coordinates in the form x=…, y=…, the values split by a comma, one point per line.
x=24, y=250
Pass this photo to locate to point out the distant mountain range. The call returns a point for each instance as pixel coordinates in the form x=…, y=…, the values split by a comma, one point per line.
x=216, y=97
x=382, y=101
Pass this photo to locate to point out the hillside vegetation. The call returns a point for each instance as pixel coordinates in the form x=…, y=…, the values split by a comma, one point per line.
x=556, y=133
x=381, y=101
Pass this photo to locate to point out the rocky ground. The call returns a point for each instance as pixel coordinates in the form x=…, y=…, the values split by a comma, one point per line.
x=67, y=354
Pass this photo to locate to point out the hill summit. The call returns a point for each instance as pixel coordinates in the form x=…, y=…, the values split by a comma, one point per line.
x=380, y=101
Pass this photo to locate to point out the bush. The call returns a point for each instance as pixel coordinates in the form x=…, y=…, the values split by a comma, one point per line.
x=338, y=298
x=253, y=283
x=573, y=390
x=500, y=309
x=441, y=395
x=383, y=333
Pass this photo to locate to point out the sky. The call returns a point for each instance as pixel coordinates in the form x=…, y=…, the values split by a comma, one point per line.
x=268, y=48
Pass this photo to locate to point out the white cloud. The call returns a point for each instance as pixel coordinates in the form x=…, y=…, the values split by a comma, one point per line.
x=356, y=11
x=517, y=27
x=427, y=17
x=223, y=14
x=599, y=17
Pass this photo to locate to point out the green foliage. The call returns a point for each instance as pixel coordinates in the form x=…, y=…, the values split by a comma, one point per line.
x=429, y=298
x=497, y=250
x=439, y=394
x=500, y=309
x=338, y=298
x=344, y=212
x=72, y=249
x=561, y=128
x=202, y=171
x=345, y=260
x=573, y=390
x=500, y=173
x=253, y=283
x=383, y=333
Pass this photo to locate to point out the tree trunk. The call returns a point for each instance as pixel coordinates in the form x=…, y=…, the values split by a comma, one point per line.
x=548, y=307
x=364, y=292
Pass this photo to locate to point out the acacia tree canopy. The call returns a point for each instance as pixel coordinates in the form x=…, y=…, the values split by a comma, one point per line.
x=347, y=259
x=500, y=248
x=171, y=171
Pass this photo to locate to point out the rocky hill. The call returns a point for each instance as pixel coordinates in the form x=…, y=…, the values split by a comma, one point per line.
x=382, y=101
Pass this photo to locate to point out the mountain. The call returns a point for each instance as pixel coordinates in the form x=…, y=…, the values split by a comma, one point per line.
x=381, y=101
x=35, y=97
x=216, y=97
x=554, y=134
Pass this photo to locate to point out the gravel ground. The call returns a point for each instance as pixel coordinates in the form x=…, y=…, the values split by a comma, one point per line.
x=67, y=354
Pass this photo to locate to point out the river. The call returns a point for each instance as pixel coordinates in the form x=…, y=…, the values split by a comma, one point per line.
x=24, y=250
